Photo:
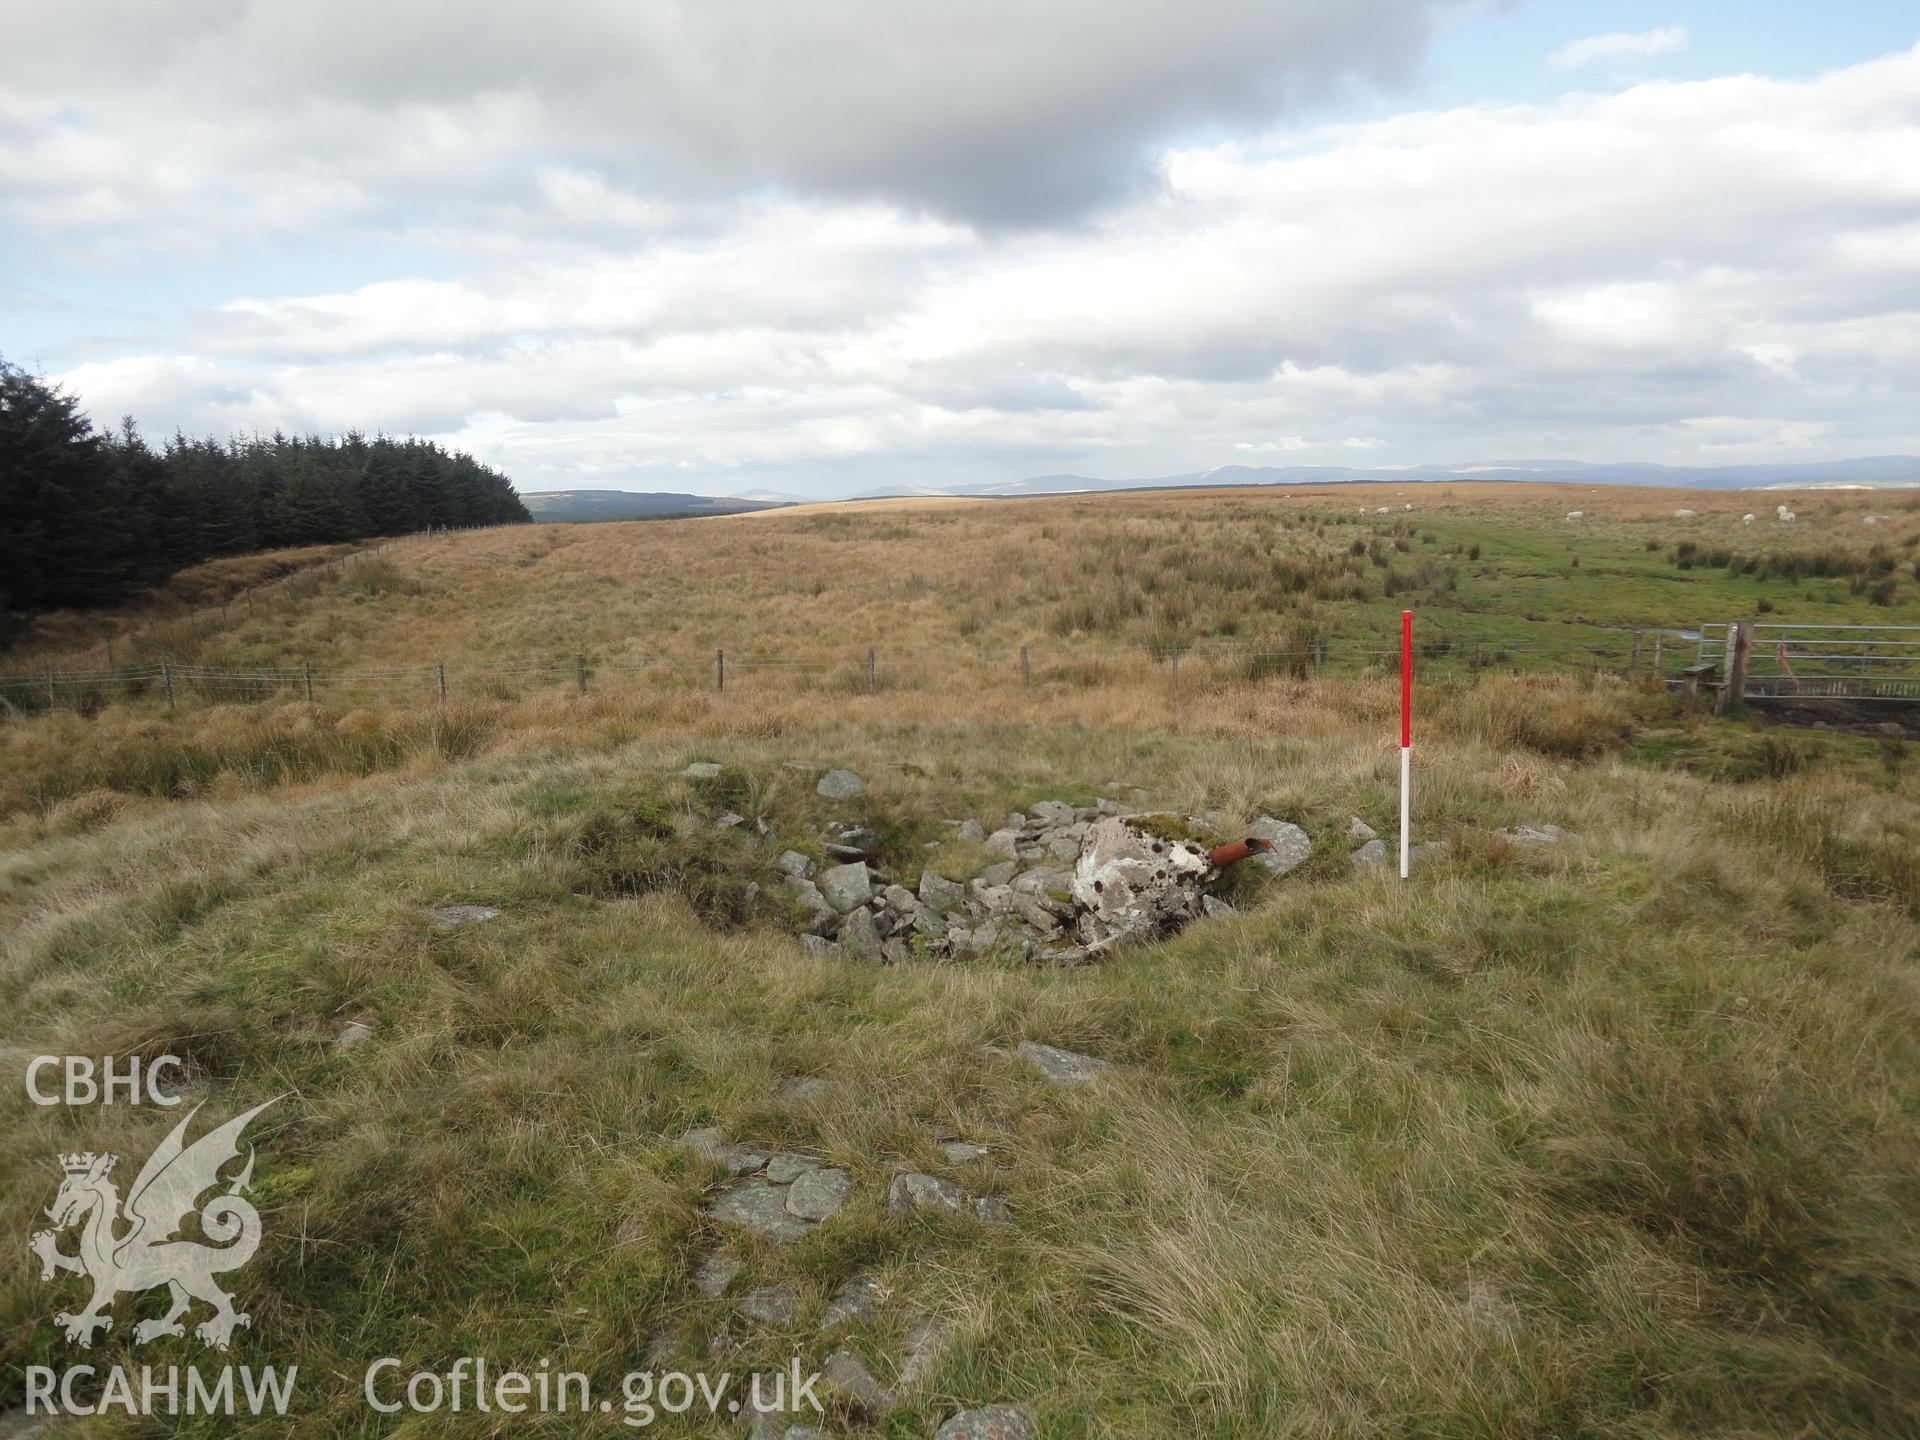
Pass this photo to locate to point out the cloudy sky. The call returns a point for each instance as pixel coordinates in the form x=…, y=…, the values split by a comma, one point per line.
x=730, y=245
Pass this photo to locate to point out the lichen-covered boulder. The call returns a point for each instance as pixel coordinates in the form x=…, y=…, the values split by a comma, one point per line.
x=1139, y=877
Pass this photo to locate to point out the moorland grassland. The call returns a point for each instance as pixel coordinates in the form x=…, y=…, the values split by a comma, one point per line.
x=1615, y=1137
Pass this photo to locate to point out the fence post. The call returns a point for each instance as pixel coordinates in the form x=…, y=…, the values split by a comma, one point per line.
x=166, y=683
x=1319, y=655
x=719, y=670
x=1700, y=651
x=580, y=670
x=1633, y=667
x=1176, y=667
x=1026, y=675
x=440, y=680
x=110, y=664
x=871, y=669
x=1734, y=682
x=306, y=680
x=1659, y=639
x=1479, y=658
x=50, y=699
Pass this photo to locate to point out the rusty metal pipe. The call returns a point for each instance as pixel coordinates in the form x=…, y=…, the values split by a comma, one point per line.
x=1234, y=851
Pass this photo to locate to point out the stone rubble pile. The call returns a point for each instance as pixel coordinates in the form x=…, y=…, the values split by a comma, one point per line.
x=1063, y=883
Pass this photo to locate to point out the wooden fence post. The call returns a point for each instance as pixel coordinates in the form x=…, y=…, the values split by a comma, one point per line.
x=1659, y=639
x=166, y=683
x=871, y=671
x=50, y=699
x=1479, y=658
x=306, y=680
x=110, y=665
x=1026, y=675
x=1176, y=667
x=1319, y=655
x=719, y=670
x=580, y=670
x=440, y=680
x=1633, y=666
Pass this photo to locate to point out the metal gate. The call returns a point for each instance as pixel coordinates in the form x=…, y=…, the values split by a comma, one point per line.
x=1814, y=662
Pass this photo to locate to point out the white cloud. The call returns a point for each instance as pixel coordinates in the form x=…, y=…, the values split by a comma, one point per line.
x=1439, y=285
x=1617, y=46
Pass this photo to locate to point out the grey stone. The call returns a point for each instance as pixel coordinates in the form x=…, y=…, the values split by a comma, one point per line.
x=1030, y=854
x=799, y=1088
x=837, y=851
x=995, y=898
x=1133, y=884
x=859, y=938
x=1374, y=852
x=752, y=891
x=1424, y=854
x=1215, y=908
x=822, y=918
x=960, y=1152
x=729, y=820
x=1052, y=812
x=712, y=1276
x=771, y=1305
x=1062, y=1067
x=818, y=1194
x=1532, y=835
x=992, y=1209
x=784, y=1169
x=710, y=1142
x=988, y=1422
x=855, y=1300
x=971, y=832
x=795, y=864
x=847, y=886
x=895, y=952
x=354, y=1032
x=1360, y=830
x=924, y=1192
x=840, y=785
x=1044, y=882
x=1290, y=844
x=1064, y=848
x=939, y=894
x=762, y=1400
x=1045, y=924
x=1110, y=807
x=819, y=945
x=1014, y=821
x=1064, y=955
x=1005, y=843
x=853, y=1380
x=702, y=770
x=1000, y=874
x=759, y=1207
x=900, y=900
x=448, y=916
x=927, y=1341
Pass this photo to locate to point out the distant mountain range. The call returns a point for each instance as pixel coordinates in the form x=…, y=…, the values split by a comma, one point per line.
x=1873, y=472
x=579, y=505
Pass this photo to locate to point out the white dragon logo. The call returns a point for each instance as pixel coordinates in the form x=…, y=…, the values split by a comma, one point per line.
x=165, y=1194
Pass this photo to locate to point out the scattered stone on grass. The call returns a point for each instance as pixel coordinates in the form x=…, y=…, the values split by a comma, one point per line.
x=448, y=916
x=761, y=1208
x=702, y=770
x=988, y=1422
x=771, y=1305
x=818, y=1194
x=992, y=1209
x=1290, y=844
x=1062, y=1067
x=784, y=1169
x=1533, y=835
x=353, y=1033
x=866, y=1395
x=846, y=887
x=927, y=1341
x=1374, y=852
x=1358, y=829
x=960, y=1152
x=840, y=785
x=797, y=1088
x=858, y=937
x=854, y=1300
x=713, y=1274
x=914, y=1191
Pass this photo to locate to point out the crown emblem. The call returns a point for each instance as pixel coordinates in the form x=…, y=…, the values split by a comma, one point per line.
x=81, y=1164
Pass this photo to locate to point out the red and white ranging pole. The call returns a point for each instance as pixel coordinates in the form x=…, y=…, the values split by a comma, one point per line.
x=1406, y=734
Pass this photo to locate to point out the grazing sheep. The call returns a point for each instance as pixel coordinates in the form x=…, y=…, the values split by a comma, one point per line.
x=1747, y=519
x=1684, y=514
x=1874, y=520
x=1786, y=516
x=1576, y=514
x=1381, y=511
x=1406, y=507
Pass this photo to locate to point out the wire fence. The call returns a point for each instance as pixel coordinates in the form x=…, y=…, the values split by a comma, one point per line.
x=849, y=670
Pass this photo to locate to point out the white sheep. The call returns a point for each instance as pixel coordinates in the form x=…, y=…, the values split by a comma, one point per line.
x=1381, y=511
x=1786, y=516
x=1684, y=514
x=1747, y=519
x=1874, y=520
x=1576, y=514
x=1781, y=512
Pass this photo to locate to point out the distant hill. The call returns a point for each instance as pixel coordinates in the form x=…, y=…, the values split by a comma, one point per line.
x=1876, y=471
x=575, y=506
